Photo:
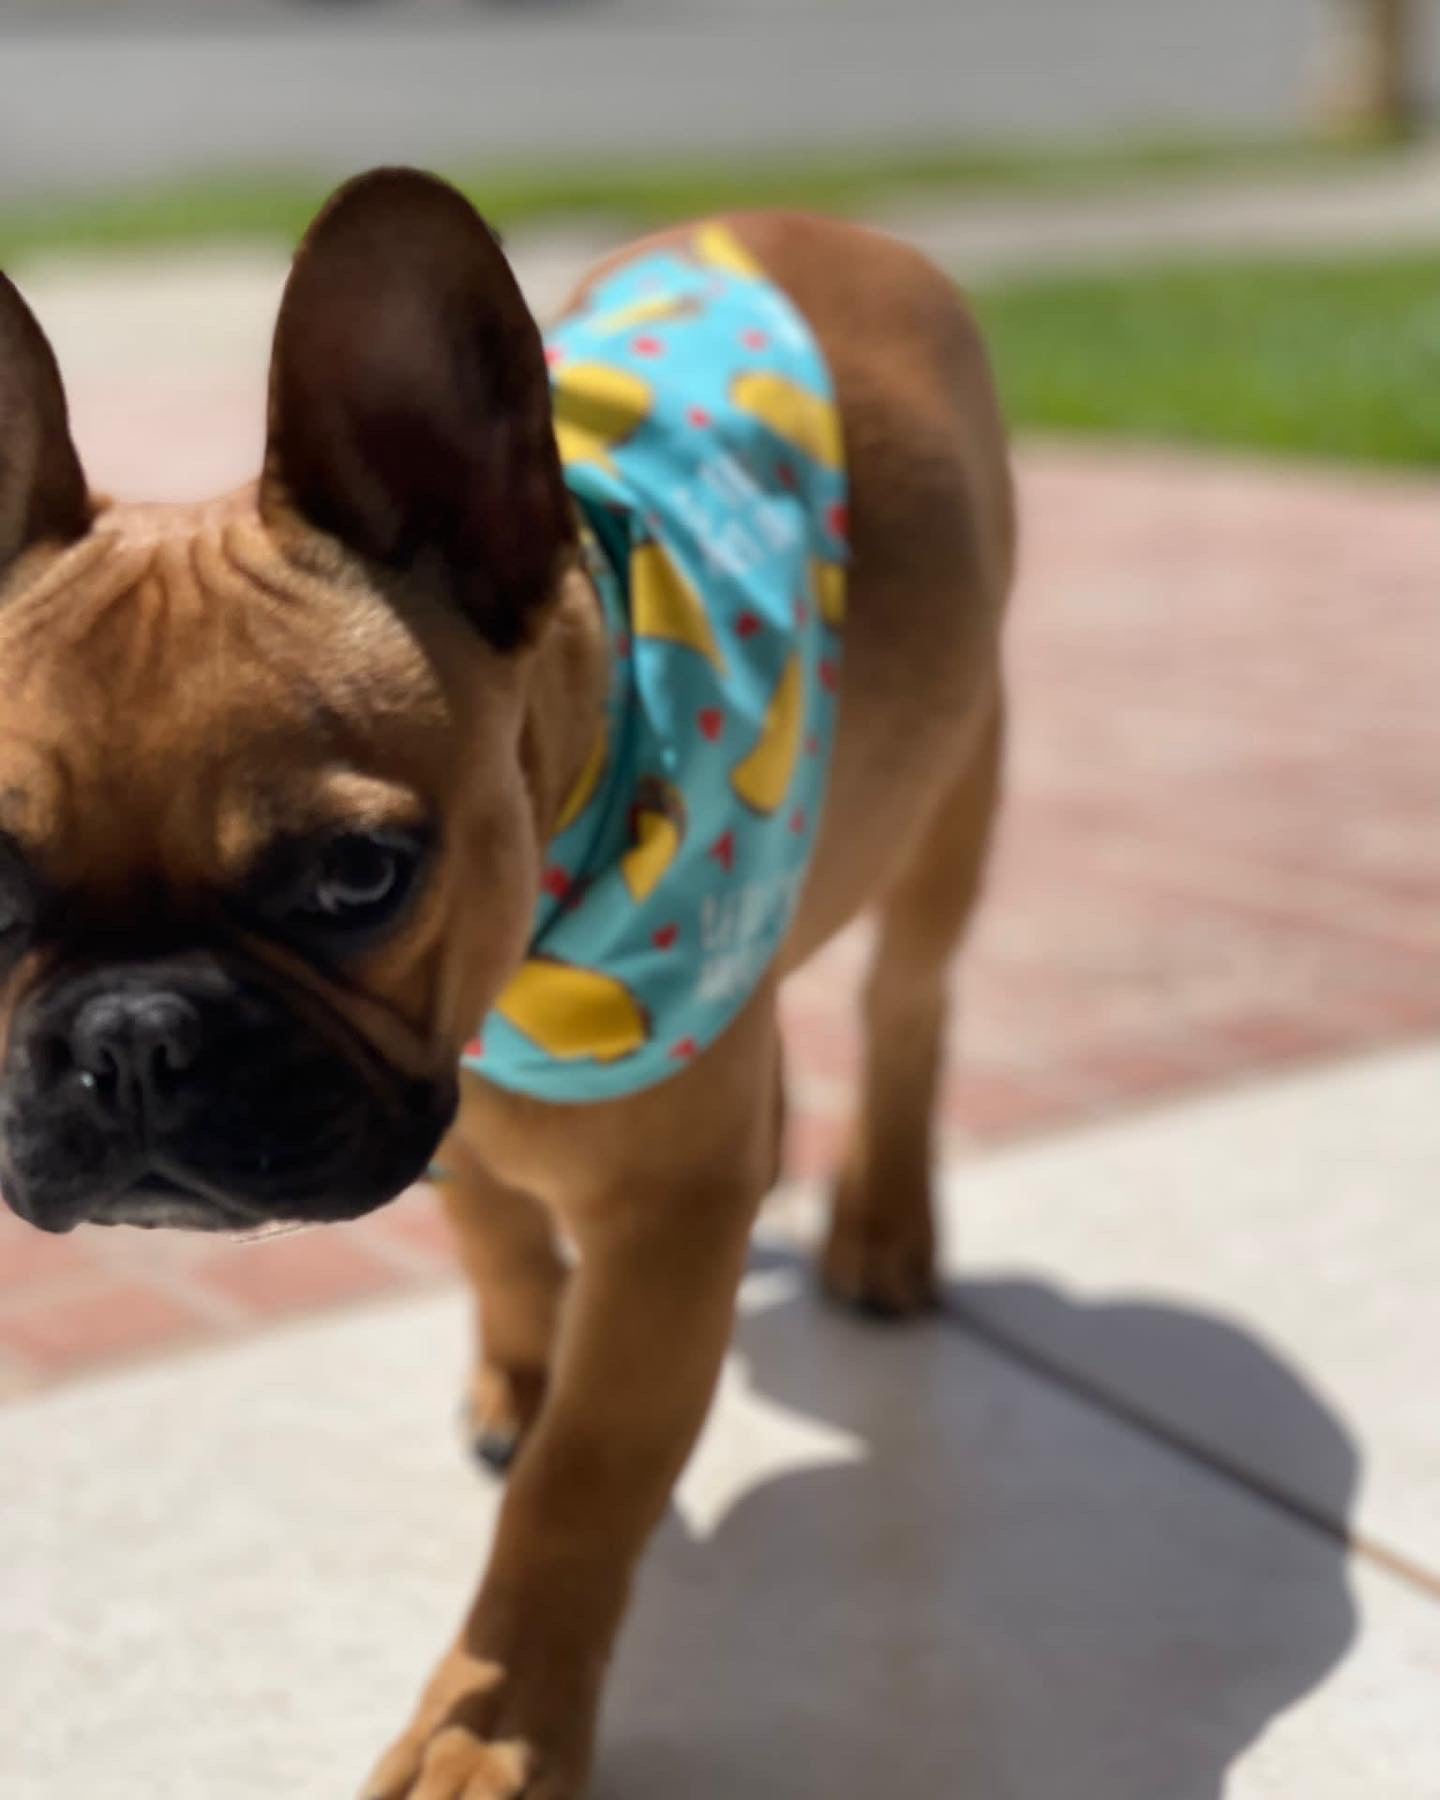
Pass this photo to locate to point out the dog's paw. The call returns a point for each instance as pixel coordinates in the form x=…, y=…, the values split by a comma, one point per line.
x=881, y=1266
x=444, y=1754
x=454, y=1764
x=500, y=1407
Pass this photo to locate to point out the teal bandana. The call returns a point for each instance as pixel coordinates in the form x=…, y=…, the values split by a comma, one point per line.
x=698, y=428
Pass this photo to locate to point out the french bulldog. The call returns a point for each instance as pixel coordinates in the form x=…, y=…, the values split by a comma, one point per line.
x=283, y=920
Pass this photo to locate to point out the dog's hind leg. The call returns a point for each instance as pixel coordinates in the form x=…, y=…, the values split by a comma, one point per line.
x=507, y=1245
x=880, y=1253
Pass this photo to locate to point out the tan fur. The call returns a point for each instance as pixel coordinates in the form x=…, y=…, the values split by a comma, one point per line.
x=659, y=1191
x=231, y=640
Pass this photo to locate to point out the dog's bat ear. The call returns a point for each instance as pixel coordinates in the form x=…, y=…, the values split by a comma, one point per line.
x=410, y=404
x=42, y=487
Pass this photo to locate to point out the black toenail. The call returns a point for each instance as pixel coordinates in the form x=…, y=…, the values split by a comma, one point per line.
x=495, y=1449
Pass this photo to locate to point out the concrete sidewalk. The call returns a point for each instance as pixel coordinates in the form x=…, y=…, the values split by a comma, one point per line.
x=1365, y=208
x=1082, y=1536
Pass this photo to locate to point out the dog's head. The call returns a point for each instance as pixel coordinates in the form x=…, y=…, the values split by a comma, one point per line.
x=271, y=785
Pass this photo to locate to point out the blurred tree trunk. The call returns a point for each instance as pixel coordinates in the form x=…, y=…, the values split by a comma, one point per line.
x=1374, y=80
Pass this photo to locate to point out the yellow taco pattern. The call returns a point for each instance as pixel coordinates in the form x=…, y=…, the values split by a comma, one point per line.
x=597, y=407
x=717, y=247
x=664, y=604
x=763, y=779
x=657, y=829
x=573, y=1013
x=827, y=579
x=656, y=309
x=807, y=422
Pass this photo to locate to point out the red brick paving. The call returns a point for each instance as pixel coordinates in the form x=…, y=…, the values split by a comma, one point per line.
x=80, y=1324
x=288, y=1274
x=1220, y=857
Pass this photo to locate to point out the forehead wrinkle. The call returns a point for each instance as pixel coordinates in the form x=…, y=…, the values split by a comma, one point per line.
x=55, y=571
x=71, y=600
x=240, y=579
x=376, y=674
x=198, y=689
x=111, y=663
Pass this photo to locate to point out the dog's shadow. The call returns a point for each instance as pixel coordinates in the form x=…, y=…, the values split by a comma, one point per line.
x=1011, y=1595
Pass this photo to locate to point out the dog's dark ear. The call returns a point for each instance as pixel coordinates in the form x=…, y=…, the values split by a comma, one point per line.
x=42, y=487
x=409, y=400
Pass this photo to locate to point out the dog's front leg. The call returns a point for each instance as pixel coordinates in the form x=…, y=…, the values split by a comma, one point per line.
x=511, y=1709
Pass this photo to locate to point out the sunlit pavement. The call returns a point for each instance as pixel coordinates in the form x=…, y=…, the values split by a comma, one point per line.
x=1083, y=1536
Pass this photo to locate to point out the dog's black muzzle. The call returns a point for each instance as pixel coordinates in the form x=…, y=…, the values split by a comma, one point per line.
x=187, y=1090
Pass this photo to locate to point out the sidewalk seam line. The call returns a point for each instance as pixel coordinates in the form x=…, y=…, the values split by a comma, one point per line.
x=1192, y=1450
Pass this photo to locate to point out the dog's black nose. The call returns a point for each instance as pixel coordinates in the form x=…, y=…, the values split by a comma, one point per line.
x=133, y=1051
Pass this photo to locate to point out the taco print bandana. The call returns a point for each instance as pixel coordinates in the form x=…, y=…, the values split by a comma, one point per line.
x=697, y=425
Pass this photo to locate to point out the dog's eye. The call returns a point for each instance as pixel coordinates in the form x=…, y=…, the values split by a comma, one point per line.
x=356, y=881
x=335, y=895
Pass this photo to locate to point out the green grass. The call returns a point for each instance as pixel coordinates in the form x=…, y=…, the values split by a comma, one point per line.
x=1337, y=359
x=632, y=193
